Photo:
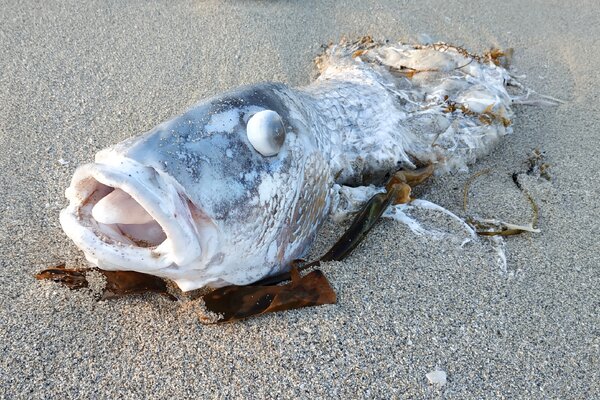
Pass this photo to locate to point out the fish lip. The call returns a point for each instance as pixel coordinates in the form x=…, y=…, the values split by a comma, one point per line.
x=162, y=198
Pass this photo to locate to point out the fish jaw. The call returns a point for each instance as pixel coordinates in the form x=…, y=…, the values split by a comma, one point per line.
x=190, y=239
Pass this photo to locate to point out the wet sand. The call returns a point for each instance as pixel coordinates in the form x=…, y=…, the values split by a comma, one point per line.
x=76, y=77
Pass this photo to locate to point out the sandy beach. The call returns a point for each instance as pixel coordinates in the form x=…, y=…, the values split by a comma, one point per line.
x=77, y=76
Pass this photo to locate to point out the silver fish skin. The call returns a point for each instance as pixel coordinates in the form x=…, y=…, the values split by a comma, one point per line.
x=193, y=200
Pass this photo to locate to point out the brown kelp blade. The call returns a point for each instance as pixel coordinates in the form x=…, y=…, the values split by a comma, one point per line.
x=71, y=278
x=118, y=283
x=123, y=283
x=233, y=303
x=361, y=225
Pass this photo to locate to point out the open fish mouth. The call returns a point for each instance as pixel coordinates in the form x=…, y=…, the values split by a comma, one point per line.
x=126, y=216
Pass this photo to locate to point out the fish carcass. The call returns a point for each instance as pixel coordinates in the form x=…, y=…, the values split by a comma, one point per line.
x=238, y=186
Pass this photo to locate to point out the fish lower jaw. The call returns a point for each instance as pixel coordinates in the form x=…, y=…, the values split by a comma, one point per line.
x=131, y=218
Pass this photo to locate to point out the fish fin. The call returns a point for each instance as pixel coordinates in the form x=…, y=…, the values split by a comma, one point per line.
x=348, y=200
x=234, y=303
x=118, y=283
x=531, y=98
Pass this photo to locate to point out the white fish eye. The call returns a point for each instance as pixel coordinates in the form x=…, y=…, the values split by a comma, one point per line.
x=266, y=132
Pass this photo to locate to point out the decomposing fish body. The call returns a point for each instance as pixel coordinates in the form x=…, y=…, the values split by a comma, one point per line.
x=237, y=187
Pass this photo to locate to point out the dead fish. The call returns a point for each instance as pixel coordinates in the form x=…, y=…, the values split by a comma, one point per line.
x=237, y=187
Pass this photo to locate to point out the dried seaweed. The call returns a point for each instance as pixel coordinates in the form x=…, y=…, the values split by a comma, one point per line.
x=71, y=278
x=495, y=227
x=488, y=117
x=502, y=58
x=537, y=166
x=234, y=303
x=118, y=283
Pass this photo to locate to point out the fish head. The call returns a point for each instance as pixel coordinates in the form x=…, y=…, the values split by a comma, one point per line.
x=229, y=192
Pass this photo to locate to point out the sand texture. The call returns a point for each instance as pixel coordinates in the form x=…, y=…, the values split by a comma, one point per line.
x=77, y=76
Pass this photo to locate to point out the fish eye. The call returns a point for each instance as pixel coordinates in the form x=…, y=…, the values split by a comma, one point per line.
x=266, y=132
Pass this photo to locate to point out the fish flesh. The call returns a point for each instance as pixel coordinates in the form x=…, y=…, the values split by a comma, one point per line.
x=237, y=187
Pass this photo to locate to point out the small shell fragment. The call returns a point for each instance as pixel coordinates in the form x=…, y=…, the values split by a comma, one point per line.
x=437, y=377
